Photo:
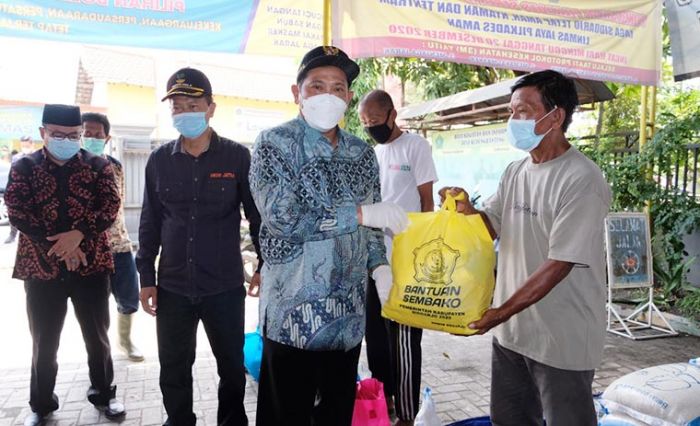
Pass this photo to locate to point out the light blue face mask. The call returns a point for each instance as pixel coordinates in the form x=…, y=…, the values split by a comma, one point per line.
x=521, y=133
x=94, y=145
x=190, y=124
x=63, y=149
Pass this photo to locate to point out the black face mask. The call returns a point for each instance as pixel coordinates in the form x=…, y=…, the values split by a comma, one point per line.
x=381, y=132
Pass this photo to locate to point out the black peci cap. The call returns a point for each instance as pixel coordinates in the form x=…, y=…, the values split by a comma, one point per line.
x=322, y=56
x=188, y=82
x=61, y=115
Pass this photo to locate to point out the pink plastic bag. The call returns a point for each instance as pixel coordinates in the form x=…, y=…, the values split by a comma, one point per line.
x=370, y=404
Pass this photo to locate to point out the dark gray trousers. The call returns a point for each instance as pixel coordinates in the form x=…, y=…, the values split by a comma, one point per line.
x=523, y=391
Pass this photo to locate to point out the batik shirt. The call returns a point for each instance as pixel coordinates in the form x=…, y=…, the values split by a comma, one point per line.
x=118, y=235
x=45, y=199
x=316, y=256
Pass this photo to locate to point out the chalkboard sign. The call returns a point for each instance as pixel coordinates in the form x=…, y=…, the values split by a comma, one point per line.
x=628, y=245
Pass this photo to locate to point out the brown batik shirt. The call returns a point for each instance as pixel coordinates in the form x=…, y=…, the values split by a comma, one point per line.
x=119, y=240
x=45, y=199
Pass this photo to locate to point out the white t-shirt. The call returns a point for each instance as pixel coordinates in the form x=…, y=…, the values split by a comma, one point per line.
x=553, y=210
x=404, y=165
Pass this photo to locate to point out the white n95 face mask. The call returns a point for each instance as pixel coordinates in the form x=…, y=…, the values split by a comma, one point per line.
x=323, y=112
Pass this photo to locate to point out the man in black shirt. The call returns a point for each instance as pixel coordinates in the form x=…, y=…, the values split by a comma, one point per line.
x=195, y=186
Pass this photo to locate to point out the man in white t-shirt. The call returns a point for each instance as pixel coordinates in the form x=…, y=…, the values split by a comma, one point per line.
x=548, y=313
x=407, y=174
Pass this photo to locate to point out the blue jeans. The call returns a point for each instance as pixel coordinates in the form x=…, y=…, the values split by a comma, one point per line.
x=125, y=283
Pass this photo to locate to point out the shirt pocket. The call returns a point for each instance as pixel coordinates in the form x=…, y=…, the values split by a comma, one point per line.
x=220, y=194
x=170, y=191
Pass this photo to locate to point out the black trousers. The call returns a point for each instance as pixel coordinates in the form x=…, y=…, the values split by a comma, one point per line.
x=302, y=388
x=47, y=304
x=177, y=319
x=394, y=356
x=377, y=339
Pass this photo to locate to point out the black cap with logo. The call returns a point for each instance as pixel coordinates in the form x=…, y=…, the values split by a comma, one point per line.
x=322, y=56
x=188, y=82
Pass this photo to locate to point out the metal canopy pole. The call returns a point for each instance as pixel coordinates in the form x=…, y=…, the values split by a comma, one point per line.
x=643, y=118
x=326, y=22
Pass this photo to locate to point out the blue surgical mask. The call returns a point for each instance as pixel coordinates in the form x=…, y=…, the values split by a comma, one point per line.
x=521, y=133
x=94, y=145
x=190, y=124
x=64, y=149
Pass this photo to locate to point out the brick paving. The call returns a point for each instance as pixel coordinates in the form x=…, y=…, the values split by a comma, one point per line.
x=456, y=368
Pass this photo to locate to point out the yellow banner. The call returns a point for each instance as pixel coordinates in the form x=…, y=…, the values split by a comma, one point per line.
x=285, y=27
x=598, y=40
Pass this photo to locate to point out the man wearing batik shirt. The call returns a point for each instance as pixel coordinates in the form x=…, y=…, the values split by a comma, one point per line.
x=317, y=188
x=124, y=282
x=63, y=199
x=27, y=148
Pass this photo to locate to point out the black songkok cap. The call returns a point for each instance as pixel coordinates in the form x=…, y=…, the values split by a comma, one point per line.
x=322, y=56
x=61, y=115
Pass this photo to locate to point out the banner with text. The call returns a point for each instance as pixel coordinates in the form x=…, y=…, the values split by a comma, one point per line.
x=473, y=158
x=286, y=28
x=684, y=27
x=244, y=119
x=598, y=40
x=277, y=27
x=18, y=121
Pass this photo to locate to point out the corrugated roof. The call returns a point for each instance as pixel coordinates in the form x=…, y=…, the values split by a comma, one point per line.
x=489, y=102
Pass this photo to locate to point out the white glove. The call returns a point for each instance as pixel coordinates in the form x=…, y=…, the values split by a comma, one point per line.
x=383, y=280
x=385, y=215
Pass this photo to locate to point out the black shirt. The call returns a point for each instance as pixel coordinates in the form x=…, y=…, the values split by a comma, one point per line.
x=191, y=214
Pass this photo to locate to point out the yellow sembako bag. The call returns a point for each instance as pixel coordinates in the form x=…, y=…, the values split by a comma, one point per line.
x=443, y=268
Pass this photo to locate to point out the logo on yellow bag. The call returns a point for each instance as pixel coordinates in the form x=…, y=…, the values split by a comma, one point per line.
x=434, y=262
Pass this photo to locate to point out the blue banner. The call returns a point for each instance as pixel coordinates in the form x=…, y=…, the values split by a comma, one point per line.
x=202, y=25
